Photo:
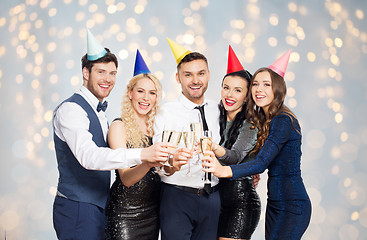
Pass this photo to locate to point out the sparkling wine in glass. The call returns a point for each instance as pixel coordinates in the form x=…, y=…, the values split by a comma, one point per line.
x=197, y=128
x=165, y=135
x=206, y=143
x=174, y=137
x=189, y=140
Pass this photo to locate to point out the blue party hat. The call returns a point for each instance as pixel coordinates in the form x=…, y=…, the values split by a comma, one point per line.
x=140, y=66
x=94, y=49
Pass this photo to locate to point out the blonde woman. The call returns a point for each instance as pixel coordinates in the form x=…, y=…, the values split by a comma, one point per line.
x=133, y=208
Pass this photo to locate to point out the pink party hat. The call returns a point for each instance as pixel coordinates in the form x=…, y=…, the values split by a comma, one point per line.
x=234, y=64
x=280, y=65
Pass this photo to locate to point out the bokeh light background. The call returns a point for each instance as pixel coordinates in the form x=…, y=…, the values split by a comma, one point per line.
x=42, y=42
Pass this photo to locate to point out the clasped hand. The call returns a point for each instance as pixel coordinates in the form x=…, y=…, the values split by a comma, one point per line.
x=157, y=154
x=181, y=157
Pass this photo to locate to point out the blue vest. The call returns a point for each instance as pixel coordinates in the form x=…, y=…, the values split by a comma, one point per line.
x=76, y=182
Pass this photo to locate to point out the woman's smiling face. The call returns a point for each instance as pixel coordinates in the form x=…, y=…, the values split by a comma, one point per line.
x=233, y=94
x=143, y=96
x=262, y=90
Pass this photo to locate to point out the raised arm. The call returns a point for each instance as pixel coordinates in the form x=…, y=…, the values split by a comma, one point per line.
x=279, y=133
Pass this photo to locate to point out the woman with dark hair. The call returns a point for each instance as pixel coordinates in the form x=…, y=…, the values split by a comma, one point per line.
x=278, y=149
x=240, y=203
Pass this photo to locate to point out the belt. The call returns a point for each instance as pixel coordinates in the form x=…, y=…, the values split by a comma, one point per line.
x=197, y=191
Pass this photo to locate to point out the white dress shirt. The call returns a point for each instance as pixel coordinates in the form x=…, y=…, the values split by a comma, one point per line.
x=177, y=116
x=71, y=125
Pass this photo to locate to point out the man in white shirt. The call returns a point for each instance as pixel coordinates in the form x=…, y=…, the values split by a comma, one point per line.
x=83, y=156
x=186, y=210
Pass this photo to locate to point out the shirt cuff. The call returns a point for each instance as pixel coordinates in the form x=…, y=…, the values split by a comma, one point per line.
x=135, y=155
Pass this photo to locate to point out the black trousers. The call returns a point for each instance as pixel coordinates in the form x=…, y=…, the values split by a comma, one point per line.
x=185, y=215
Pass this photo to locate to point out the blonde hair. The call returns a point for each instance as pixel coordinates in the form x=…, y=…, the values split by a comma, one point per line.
x=136, y=138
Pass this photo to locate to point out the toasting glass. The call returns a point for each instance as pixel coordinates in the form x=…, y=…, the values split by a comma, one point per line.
x=206, y=145
x=197, y=128
x=172, y=137
x=189, y=140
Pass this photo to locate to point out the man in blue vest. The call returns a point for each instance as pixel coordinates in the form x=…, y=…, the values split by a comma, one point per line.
x=84, y=160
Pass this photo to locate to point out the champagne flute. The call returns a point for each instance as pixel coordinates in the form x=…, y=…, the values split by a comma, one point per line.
x=166, y=134
x=171, y=137
x=165, y=137
x=189, y=140
x=175, y=137
x=206, y=145
x=197, y=128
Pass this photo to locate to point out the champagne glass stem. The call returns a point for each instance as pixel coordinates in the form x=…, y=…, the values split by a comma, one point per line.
x=188, y=168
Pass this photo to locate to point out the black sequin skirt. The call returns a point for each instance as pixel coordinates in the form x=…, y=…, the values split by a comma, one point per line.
x=240, y=208
x=133, y=213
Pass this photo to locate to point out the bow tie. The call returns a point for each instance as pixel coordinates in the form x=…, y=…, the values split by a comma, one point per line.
x=102, y=106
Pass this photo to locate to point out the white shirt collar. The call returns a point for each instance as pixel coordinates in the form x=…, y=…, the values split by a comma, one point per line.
x=188, y=104
x=93, y=100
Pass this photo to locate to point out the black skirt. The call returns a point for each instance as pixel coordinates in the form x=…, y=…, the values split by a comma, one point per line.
x=133, y=213
x=240, y=208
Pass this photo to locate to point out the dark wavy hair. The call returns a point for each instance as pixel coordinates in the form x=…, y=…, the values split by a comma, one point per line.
x=109, y=57
x=240, y=116
x=256, y=115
